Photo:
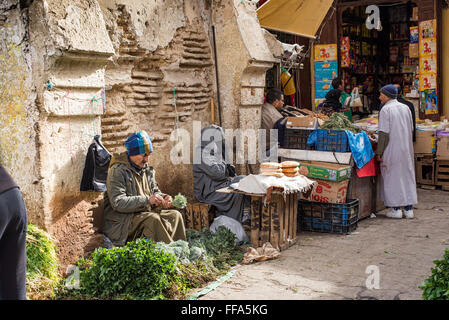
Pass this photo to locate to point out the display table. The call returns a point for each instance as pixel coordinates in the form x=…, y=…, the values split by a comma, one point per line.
x=365, y=189
x=275, y=221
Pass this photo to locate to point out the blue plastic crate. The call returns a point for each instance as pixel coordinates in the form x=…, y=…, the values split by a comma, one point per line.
x=328, y=217
x=332, y=140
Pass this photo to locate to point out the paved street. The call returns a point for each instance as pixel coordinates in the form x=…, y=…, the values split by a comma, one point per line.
x=330, y=266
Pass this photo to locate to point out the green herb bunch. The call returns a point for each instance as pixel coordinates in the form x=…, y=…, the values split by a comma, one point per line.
x=180, y=201
x=220, y=246
x=436, y=287
x=42, y=264
x=338, y=121
x=137, y=270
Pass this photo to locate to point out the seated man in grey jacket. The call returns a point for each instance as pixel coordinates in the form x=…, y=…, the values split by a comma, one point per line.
x=133, y=205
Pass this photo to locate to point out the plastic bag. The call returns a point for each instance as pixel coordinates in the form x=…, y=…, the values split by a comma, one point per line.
x=355, y=98
x=233, y=225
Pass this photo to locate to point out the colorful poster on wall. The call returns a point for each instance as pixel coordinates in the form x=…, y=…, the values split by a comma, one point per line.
x=322, y=87
x=414, y=34
x=326, y=52
x=427, y=81
x=428, y=64
x=427, y=29
x=428, y=67
x=429, y=101
x=428, y=47
x=325, y=67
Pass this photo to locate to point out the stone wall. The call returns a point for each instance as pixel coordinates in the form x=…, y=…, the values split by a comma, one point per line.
x=18, y=109
x=158, y=85
x=74, y=69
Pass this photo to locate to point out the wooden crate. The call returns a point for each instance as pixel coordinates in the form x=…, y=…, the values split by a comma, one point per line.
x=275, y=222
x=198, y=216
x=425, y=169
x=442, y=173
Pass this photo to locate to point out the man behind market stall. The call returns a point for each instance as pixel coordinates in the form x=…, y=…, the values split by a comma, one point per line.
x=410, y=106
x=272, y=118
x=395, y=154
x=134, y=206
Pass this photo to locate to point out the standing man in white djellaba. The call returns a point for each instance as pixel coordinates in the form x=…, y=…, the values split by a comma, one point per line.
x=395, y=154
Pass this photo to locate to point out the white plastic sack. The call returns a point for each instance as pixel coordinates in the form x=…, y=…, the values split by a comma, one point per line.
x=233, y=225
x=355, y=98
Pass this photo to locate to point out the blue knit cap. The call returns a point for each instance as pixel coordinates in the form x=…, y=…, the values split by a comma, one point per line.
x=390, y=90
x=139, y=143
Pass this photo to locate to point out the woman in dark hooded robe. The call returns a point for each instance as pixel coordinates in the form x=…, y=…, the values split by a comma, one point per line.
x=213, y=173
x=332, y=103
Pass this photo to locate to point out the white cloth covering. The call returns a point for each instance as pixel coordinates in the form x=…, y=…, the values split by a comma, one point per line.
x=398, y=185
x=258, y=184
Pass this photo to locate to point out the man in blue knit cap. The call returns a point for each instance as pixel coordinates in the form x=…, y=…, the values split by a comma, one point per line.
x=134, y=207
x=395, y=154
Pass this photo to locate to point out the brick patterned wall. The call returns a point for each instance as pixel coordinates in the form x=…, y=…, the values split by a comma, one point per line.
x=147, y=101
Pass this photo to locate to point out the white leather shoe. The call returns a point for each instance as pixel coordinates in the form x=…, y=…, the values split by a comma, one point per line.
x=409, y=214
x=395, y=214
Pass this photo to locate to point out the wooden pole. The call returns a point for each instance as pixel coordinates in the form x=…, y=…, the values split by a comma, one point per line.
x=212, y=111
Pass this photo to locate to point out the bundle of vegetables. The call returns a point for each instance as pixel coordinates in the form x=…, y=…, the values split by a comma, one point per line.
x=137, y=270
x=180, y=201
x=220, y=246
x=42, y=275
x=183, y=253
x=436, y=287
x=338, y=121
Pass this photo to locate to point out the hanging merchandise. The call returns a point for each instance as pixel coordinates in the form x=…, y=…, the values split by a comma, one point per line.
x=96, y=167
x=288, y=84
x=345, y=55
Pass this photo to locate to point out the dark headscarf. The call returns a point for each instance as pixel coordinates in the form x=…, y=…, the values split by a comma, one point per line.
x=333, y=99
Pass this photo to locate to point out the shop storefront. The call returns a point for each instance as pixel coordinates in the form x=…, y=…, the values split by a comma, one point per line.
x=380, y=42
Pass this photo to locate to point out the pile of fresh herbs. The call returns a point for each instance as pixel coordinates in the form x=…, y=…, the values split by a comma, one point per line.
x=436, y=287
x=220, y=246
x=338, y=121
x=42, y=275
x=143, y=269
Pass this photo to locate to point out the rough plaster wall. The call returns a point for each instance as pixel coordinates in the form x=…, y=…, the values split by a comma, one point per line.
x=18, y=111
x=70, y=48
x=240, y=40
x=143, y=75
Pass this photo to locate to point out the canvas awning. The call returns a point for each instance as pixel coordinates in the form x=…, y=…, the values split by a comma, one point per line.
x=299, y=17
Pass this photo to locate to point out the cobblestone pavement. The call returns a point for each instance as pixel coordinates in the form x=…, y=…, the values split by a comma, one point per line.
x=331, y=266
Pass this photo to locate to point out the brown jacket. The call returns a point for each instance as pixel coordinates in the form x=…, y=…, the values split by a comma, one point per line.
x=270, y=115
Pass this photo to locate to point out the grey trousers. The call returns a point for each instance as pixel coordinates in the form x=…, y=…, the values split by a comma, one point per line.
x=13, y=229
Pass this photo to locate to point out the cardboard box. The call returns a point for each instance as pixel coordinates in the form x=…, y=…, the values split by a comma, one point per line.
x=325, y=171
x=328, y=191
x=443, y=148
x=425, y=142
x=413, y=50
x=308, y=122
x=414, y=14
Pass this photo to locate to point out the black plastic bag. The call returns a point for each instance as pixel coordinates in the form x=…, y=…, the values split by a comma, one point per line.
x=96, y=167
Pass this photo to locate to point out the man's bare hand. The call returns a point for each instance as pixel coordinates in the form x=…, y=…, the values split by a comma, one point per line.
x=379, y=158
x=156, y=200
x=167, y=202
